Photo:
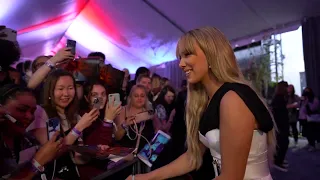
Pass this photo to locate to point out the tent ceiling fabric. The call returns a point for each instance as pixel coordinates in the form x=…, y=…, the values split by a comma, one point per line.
x=140, y=32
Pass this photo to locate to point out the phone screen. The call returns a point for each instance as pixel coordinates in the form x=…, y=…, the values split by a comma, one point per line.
x=72, y=44
x=53, y=125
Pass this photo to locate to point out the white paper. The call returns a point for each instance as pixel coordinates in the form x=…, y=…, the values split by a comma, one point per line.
x=115, y=158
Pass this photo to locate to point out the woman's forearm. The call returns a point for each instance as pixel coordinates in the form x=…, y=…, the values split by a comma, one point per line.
x=39, y=76
x=119, y=133
x=71, y=138
x=156, y=124
x=176, y=168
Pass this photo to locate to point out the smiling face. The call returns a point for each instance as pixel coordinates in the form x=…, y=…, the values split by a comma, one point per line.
x=64, y=92
x=194, y=64
x=22, y=108
x=206, y=56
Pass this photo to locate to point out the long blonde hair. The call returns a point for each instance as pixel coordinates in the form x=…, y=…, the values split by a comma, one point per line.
x=222, y=61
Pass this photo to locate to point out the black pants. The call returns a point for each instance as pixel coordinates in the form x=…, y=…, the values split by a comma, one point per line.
x=282, y=146
x=312, y=132
x=303, y=127
x=294, y=129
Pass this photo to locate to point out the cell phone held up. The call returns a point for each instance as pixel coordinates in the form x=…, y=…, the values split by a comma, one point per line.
x=97, y=103
x=72, y=44
x=143, y=116
x=53, y=125
x=114, y=99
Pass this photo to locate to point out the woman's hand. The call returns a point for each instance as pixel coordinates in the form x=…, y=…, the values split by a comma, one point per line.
x=62, y=54
x=87, y=119
x=130, y=120
x=102, y=150
x=49, y=150
x=112, y=111
x=144, y=116
x=103, y=147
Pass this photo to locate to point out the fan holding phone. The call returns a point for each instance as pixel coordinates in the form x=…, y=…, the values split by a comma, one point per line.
x=113, y=107
x=135, y=115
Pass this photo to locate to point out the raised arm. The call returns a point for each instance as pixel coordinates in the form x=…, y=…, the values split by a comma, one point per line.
x=39, y=76
x=237, y=124
x=86, y=120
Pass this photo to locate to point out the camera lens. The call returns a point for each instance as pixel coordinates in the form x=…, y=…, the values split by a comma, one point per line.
x=96, y=100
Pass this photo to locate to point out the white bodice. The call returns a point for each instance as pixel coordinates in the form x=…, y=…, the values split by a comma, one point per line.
x=257, y=165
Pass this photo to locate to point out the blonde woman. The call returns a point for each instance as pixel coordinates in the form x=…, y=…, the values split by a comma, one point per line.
x=137, y=102
x=222, y=113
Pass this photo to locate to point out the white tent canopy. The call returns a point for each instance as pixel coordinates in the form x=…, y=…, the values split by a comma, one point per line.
x=133, y=33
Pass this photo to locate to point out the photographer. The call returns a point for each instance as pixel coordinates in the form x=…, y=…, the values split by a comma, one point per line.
x=309, y=117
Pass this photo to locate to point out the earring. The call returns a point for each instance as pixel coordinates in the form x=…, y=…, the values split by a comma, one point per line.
x=209, y=67
x=49, y=97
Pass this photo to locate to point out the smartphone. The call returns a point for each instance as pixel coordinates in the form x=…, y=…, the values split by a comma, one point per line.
x=72, y=44
x=53, y=125
x=143, y=116
x=114, y=97
x=97, y=103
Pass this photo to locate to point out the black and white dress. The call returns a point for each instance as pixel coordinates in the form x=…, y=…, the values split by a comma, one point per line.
x=209, y=133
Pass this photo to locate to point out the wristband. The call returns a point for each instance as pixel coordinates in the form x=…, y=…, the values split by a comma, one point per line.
x=125, y=127
x=108, y=121
x=33, y=168
x=107, y=124
x=49, y=64
x=76, y=132
x=37, y=165
x=115, y=126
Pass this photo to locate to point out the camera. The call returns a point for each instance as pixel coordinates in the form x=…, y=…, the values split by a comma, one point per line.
x=96, y=103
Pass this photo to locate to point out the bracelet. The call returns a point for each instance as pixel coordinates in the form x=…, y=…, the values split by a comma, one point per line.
x=49, y=64
x=107, y=124
x=108, y=121
x=37, y=165
x=115, y=126
x=125, y=127
x=33, y=168
x=76, y=132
